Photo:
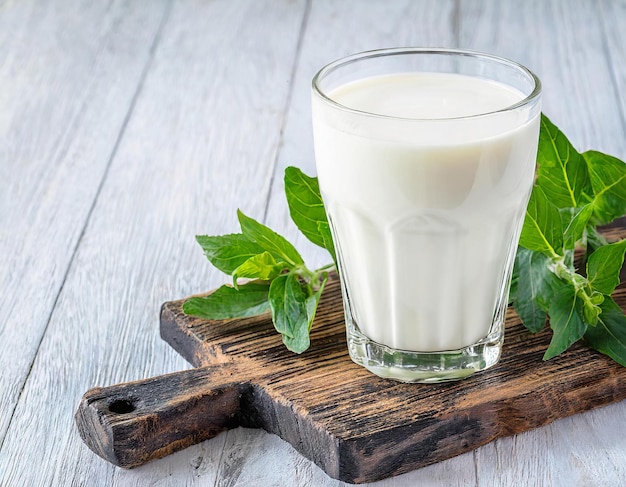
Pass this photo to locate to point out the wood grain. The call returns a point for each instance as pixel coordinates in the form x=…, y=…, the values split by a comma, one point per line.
x=55, y=147
x=333, y=30
x=565, y=44
x=139, y=421
x=83, y=270
x=357, y=427
x=204, y=120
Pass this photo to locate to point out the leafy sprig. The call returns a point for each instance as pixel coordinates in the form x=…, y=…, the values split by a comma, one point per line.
x=572, y=195
x=280, y=281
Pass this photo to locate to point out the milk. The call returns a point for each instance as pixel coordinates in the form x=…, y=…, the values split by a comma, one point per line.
x=425, y=205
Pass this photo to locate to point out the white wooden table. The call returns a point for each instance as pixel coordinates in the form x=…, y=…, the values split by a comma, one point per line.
x=128, y=127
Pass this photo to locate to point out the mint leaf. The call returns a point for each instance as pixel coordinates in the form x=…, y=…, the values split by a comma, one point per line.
x=595, y=239
x=608, y=180
x=573, y=193
x=574, y=221
x=227, y=252
x=566, y=320
x=561, y=212
x=313, y=301
x=515, y=281
x=305, y=204
x=591, y=306
x=269, y=240
x=291, y=291
x=604, y=266
x=542, y=230
x=262, y=266
x=329, y=244
x=226, y=302
x=534, y=288
x=290, y=313
x=562, y=172
x=609, y=336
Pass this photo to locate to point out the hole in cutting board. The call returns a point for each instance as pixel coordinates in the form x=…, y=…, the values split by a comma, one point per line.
x=122, y=406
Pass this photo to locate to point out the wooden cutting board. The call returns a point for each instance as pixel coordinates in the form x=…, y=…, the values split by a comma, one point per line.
x=355, y=426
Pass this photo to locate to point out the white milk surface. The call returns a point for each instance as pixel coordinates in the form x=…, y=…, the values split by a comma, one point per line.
x=426, y=213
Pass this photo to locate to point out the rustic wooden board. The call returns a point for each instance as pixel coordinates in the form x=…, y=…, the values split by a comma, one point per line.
x=355, y=426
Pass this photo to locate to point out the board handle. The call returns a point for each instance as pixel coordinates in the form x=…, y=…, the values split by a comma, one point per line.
x=133, y=423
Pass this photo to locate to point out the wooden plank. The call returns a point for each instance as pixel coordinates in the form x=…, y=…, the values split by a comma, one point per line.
x=333, y=29
x=63, y=104
x=562, y=41
x=565, y=44
x=357, y=427
x=613, y=15
x=530, y=32
x=336, y=29
x=205, y=124
x=572, y=452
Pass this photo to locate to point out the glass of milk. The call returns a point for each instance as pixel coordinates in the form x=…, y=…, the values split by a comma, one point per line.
x=425, y=160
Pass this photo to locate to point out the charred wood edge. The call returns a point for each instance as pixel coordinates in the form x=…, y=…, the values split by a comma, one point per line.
x=444, y=435
x=133, y=423
x=258, y=409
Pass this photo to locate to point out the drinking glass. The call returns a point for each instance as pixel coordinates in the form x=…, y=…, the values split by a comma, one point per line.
x=425, y=160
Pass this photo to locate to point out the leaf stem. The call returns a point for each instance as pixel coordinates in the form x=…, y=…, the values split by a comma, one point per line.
x=327, y=267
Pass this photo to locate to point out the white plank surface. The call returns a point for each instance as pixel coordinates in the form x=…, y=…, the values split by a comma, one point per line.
x=68, y=75
x=206, y=119
x=333, y=30
x=567, y=50
x=126, y=128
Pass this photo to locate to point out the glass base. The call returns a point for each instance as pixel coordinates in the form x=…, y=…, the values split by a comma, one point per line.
x=424, y=367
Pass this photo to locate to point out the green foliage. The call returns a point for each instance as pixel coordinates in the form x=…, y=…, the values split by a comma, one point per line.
x=573, y=194
x=307, y=208
x=227, y=302
x=227, y=252
x=281, y=283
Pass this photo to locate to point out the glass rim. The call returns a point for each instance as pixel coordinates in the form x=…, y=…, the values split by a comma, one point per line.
x=353, y=58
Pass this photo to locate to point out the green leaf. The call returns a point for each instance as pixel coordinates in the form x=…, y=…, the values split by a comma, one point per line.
x=329, y=244
x=227, y=252
x=574, y=221
x=307, y=208
x=608, y=180
x=313, y=301
x=280, y=248
x=515, y=281
x=226, y=302
x=591, y=306
x=566, y=320
x=305, y=204
x=595, y=239
x=534, y=288
x=261, y=266
x=542, y=230
x=287, y=299
x=604, y=266
x=562, y=172
x=609, y=336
